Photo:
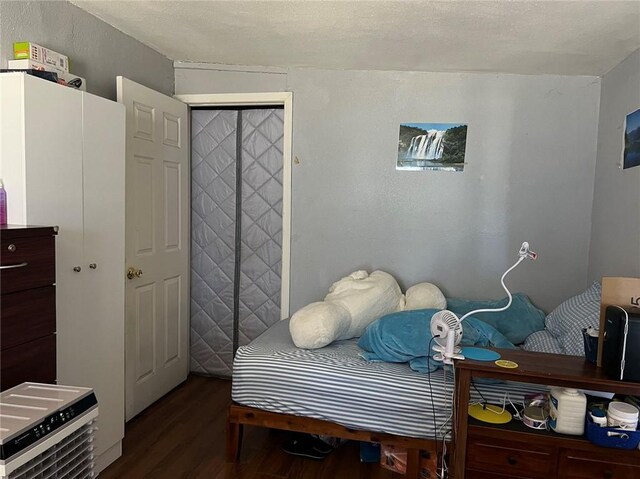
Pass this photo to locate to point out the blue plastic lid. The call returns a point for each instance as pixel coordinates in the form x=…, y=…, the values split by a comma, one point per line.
x=480, y=354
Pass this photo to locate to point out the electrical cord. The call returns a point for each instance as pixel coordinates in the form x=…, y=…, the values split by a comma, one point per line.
x=624, y=344
x=444, y=469
x=433, y=407
x=448, y=405
x=444, y=472
x=484, y=401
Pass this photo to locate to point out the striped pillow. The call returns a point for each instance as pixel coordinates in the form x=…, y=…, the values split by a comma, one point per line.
x=542, y=342
x=567, y=320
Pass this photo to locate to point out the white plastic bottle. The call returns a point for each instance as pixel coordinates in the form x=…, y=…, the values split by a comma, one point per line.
x=567, y=411
x=622, y=415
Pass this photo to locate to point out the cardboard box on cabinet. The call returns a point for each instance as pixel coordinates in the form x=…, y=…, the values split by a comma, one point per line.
x=40, y=54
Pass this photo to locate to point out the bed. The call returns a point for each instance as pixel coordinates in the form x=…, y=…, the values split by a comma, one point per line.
x=334, y=391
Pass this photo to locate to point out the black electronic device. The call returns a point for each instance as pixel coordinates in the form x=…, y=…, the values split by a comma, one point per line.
x=50, y=76
x=619, y=346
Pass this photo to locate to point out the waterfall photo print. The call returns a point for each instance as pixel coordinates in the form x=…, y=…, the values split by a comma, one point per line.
x=431, y=146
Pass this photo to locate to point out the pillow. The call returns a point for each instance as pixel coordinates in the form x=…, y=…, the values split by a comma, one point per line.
x=516, y=323
x=567, y=320
x=542, y=342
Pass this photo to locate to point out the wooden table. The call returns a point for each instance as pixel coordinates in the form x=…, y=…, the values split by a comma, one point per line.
x=566, y=451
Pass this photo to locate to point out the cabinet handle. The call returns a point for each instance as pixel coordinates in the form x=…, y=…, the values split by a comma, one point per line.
x=92, y=266
x=77, y=269
x=14, y=266
x=512, y=460
x=11, y=247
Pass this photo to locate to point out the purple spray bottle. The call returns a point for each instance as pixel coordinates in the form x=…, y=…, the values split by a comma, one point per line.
x=3, y=204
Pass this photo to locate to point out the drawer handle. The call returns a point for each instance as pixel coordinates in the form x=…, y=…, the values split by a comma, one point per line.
x=14, y=266
x=11, y=248
x=512, y=460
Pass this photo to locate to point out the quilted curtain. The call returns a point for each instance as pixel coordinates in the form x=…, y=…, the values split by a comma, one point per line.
x=236, y=240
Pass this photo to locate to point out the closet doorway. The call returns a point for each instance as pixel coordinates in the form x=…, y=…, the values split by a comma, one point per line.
x=240, y=222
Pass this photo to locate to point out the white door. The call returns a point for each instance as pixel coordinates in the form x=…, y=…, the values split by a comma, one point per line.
x=156, y=244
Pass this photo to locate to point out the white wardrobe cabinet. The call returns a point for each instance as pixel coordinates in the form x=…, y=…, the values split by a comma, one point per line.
x=62, y=158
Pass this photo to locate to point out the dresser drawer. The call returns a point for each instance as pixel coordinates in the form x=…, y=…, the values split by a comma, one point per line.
x=26, y=263
x=473, y=474
x=27, y=315
x=581, y=465
x=511, y=458
x=34, y=361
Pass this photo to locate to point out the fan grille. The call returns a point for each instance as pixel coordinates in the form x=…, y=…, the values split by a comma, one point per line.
x=441, y=323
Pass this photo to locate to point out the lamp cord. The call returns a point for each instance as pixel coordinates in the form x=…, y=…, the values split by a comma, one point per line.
x=433, y=407
x=484, y=401
x=624, y=344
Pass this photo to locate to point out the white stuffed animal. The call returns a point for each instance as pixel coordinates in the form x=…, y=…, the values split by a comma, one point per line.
x=423, y=296
x=353, y=303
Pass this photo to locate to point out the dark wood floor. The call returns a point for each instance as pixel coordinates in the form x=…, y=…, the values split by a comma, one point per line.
x=182, y=436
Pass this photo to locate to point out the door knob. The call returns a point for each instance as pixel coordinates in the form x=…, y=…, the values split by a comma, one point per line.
x=134, y=273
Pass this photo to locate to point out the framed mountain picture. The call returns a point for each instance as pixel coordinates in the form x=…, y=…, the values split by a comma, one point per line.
x=631, y=155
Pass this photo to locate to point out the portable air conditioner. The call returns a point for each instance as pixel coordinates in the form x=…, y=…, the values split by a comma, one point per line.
x=46, y=431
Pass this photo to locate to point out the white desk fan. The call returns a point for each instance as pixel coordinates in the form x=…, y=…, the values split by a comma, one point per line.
x=446, y=327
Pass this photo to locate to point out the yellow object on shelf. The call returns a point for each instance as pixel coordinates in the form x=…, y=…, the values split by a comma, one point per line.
x=490, y=413
x=504, y=363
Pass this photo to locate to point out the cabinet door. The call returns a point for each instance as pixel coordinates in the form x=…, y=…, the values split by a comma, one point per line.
x=100, y=331
x=53, y=181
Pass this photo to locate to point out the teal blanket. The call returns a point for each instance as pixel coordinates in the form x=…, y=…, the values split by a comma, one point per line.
x=516, y=323
x=405, y=336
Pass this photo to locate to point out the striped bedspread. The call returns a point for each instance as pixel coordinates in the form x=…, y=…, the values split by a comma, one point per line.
x=335, y=384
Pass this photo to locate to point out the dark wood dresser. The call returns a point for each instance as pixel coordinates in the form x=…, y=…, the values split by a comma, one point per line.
x=513, y=450
x=27, y=304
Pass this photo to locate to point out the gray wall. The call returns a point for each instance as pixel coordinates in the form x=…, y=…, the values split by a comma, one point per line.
x=531, y=158
x=97, y=51
x=615, y=235
x=209, y=78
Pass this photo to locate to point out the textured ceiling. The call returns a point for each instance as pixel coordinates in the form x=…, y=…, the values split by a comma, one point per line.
x=531, y=37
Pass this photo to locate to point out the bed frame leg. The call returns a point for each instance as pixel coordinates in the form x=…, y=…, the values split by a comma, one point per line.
x=234, y=441
x=413, y=464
